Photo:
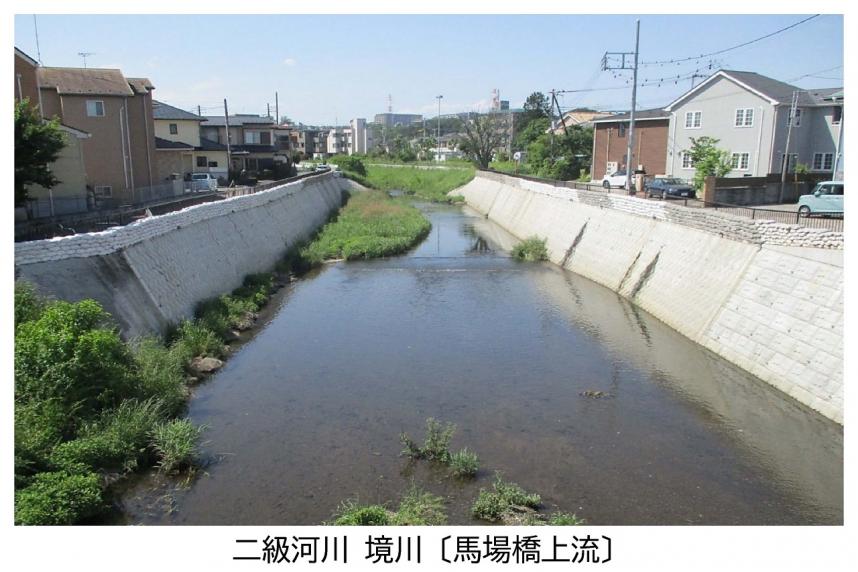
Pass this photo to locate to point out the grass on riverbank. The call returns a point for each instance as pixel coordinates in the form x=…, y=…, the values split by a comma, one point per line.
x=428, y=184
x=371, y=225
x=86, y=406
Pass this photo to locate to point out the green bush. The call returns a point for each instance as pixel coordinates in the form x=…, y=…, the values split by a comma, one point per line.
x=72, y=354
x=419, y=508
x=564, y=519
x=39, y=427
x=491, y=505
x=464, y=463
x=351, y=513
x=351, y=164
x=58, y=498
x=117, y=441
x=175, y=442
x=28, y=304
x=532, y=249
x=436, y=444
x=194, y=339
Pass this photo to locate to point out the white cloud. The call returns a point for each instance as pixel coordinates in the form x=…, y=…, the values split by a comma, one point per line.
x=290, y=62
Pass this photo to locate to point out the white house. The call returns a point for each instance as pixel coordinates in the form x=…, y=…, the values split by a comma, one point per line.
x=749, y=114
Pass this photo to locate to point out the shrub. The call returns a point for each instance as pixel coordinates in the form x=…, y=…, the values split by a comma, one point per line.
x=58, y=498
x=39, y=427
x=160, y=374
x=436, y=445
x=492, y=505
x=351, y=513
x=28, y=304
x=69, y=354
x=175, y=442
x=117, y=441
x=419, y=508
x=464, y=463
x=352, y=164
x=193, y=339
x=564, y=519
x=532, y=249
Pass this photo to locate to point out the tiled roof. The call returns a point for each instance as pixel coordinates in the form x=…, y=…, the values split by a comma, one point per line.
x=238, y=120
x=167, y=144
x=639, y=115
x=82, y=81
x=209, y=145
x=140, y=84
x=161, y=110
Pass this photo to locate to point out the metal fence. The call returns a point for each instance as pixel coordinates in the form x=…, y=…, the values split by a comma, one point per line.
x=826, y=222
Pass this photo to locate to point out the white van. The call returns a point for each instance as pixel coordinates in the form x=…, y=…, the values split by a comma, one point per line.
x=203, y=182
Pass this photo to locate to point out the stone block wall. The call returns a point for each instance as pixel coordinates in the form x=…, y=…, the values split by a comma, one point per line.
x=153, y=272
x=765, y=296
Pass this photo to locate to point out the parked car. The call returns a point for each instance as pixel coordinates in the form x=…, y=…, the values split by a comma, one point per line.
x=203, y=182
x=616, y=179
x=668, y=188
x=322, y=168
x=826, y=198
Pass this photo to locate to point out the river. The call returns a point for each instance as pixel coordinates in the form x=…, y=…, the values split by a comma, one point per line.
x=309, y=412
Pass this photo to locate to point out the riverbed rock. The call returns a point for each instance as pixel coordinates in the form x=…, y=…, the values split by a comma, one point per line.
x=246, y=321
x=520, y=516
x=231, y=336
x=205, y=365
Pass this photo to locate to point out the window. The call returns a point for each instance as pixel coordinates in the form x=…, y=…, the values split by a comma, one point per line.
x=621, y=130
x=251, y=137
x=202, y=161
x=687, y=161
x=797, y=120
x=744, y=117
x=212, y=163
x=823, y=161
x=837, y=116
x=174, y=129
x=740, y=161
x=94, y=108
x=105, y=191
x=693, y=119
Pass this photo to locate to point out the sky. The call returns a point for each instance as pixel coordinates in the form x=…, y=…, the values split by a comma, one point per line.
x=329, y=69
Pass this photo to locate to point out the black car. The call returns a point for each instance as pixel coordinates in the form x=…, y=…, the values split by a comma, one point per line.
x=667, y=188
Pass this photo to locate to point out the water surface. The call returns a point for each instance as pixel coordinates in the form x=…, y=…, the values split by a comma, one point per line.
x=308, y=413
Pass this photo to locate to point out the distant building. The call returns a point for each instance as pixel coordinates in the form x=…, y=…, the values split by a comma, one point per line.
x=362, y=141
x=251, y=140
x=395, y=119
x=580, y=117
x=181, y=149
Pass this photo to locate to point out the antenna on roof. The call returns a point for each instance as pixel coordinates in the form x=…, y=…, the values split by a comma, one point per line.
x=85, y=55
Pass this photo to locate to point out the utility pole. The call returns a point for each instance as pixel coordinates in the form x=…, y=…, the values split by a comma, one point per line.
x=199, y=111
x=228, y=148
x=785, y=162
x=277, y=107
x=838, y=149
x=268, y=109
x=438, y=136
x=609, y=62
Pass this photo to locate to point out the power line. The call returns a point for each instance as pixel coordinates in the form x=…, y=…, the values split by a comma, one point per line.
x=742, y=45
x=812, y=74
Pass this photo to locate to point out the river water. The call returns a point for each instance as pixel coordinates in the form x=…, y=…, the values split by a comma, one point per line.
x=308, y=413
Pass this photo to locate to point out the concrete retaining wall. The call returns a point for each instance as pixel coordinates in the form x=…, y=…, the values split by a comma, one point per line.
x=153, y=272
x=765, y=296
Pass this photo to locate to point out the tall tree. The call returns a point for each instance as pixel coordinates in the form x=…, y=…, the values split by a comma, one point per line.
x=37, y=144
x=483, y=135
x=536, y=105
